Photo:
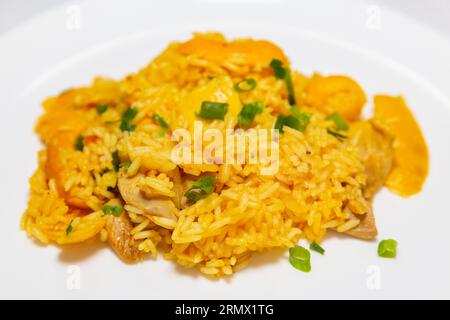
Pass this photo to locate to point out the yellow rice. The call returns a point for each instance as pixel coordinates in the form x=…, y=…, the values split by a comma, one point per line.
x=217, y=235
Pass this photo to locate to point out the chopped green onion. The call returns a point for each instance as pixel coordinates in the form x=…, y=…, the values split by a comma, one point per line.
x=387, y=248
x=202, y=188
x=127, y=116
x=79, y=143
x=315, y=247
x=339, y=121
x=125, y=165
x=303, y=118
x=116, y=160
x=69, y=228
x=300, y=258
x=213, y=110
x=278, y=70
x=101, y=108
x=114, y=210
x=289, y=121
x=275, y=63
x=161, y=121
x=248, y=113
x=281, y=72
x=337, y=135
x=290, y=87
x=127, y=127
x=245, y=85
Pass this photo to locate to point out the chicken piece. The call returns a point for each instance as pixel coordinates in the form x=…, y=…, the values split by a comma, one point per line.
x=366, y=229
x=375, y=148
x=155, y=206
x=120, y=238
x=178, y=187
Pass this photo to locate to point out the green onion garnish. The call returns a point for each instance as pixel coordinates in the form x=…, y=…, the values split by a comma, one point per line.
x=79, y=143
x=300, y=258
x=248, y=113
x=69, y=228
x=127, y=116
x=101, y=108
x=339, y=121
x=289, y=121
x=114, y=210
x=213, y=110
x=290, y=88
x=160, y=121
x=387, y=248
x=202, y=188
x=278, y=70
x=303, y=118
x=281, y=72
x=337, y=135
x=125, y=165
x=245, y=85
x=116, y=160
x=315, y=247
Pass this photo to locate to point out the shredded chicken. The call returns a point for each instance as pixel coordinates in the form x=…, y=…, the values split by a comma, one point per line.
x=120, y=238
x=178, y=187
x=157, y=206
x=375, y=148
x=366, y=229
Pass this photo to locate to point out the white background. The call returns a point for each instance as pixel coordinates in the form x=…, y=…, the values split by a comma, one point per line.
x=436, y=13
x=45, y=56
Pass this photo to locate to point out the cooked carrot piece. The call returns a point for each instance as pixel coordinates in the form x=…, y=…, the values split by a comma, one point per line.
x=336, y=94
x=410, y=150
x=217, y=50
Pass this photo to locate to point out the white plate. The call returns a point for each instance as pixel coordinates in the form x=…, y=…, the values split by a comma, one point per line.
x=385, y=51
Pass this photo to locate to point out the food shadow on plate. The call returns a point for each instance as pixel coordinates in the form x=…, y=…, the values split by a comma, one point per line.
x=259, y=259
x=80, y=251
x=334, y=235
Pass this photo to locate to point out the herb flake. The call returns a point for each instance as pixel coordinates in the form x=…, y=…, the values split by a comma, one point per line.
x=314, y=246
x=127, y=117
x=339, y=121
x=337, y=135
x=202, y=188
x=69, y=228
x=160, y=121
x=79, y=143
x=116, y=211
x=101, y=109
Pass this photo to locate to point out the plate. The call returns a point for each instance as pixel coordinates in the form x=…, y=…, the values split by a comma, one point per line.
x=383, y=50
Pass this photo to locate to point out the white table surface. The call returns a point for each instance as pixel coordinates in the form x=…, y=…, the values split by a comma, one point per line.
x=435, y=13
